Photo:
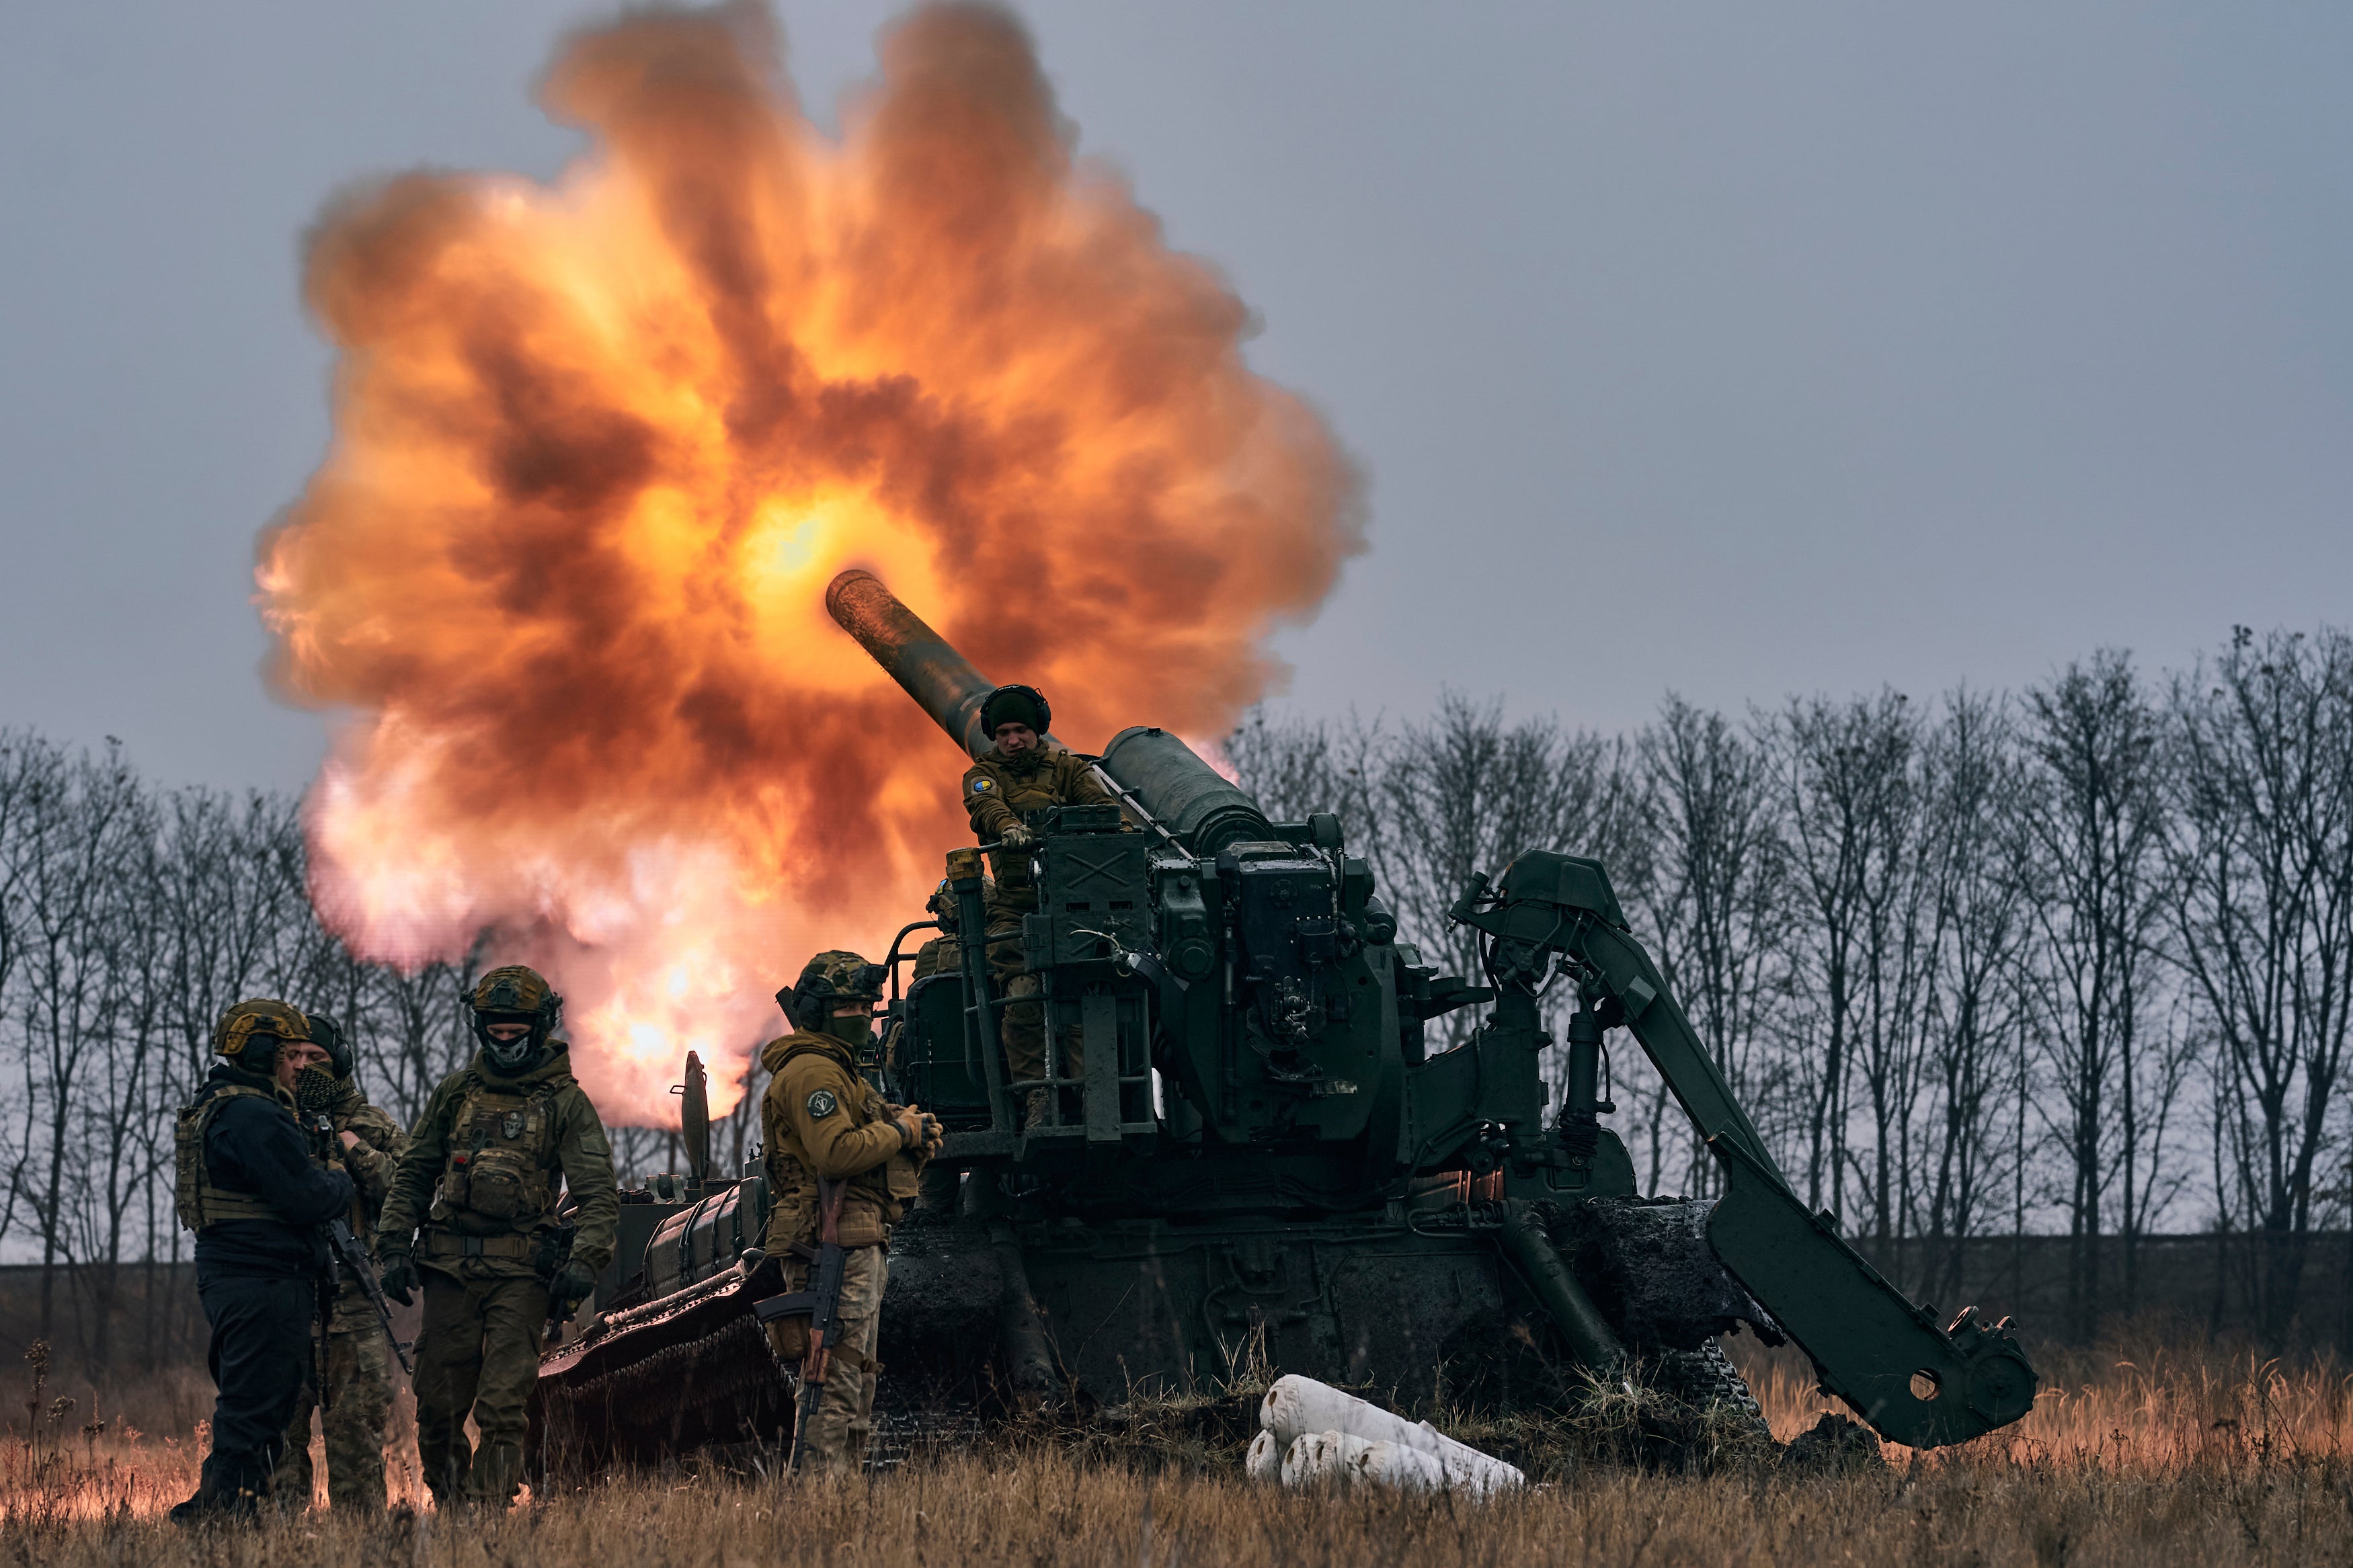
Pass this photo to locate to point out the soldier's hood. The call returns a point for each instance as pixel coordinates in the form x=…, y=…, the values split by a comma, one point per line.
x=223, y=1073
x=772, y=1055
x=553, y=1067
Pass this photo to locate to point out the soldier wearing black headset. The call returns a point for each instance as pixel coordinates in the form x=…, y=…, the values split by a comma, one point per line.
x=1024, y=771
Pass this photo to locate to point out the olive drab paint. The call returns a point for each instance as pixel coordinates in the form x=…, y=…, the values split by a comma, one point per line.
x=1247, y=1042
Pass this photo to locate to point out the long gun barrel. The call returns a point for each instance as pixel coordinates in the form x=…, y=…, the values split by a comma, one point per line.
x=942, y=681
x=1155, y=772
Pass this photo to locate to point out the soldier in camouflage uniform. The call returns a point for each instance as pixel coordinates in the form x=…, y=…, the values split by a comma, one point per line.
x=497, y=1143
x=820, y=1118
x=1023, y=773
x=365, y=1145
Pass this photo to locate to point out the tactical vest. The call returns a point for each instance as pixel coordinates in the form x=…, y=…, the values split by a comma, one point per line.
x=1055, y=782
x=501, y=1155
x=886, y=1187
x=197, y=1201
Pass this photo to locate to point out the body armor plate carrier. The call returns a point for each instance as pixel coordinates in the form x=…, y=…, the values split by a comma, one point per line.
x=194, y=1196
x=501, y=1146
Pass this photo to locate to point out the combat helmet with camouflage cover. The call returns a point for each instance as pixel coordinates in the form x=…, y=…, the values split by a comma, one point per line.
x=514, y=993
x=828, y=981
x=252, y=1021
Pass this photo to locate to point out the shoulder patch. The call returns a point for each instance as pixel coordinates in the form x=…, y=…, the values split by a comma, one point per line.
x=822, y=1104
x=983, y=785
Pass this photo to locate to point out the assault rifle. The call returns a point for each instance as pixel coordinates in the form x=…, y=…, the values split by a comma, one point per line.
x=353, y=1260
x=344, y=1252
x=820, y=1304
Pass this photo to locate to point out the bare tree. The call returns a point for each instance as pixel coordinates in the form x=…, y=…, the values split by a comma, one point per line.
x=29, y=770
x=2262, y=849
x=1976, y=1034
x=2090, y=832
x=1709, y=877
x=1848, y=776
x=1294, y=767
x=121, y=1113
x=1467, y=792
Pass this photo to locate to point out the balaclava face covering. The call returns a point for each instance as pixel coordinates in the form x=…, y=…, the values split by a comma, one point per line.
x=518, y=1055
x=856, y=1031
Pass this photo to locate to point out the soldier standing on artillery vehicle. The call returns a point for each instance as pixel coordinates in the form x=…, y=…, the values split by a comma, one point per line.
x=1023, y=773
x=246, y=1184
x=821, y=1120
x=365, y=1145
x=488, y=1153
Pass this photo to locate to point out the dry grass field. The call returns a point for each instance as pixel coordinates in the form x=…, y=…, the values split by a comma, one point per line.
x=2139, y=1454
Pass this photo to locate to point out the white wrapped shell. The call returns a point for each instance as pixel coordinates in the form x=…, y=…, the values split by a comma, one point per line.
x=1296, y=1406
x=1263, y=1463
x=1347, y=1461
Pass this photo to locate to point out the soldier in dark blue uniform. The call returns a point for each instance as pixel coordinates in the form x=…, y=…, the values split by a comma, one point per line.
x=248, y=1188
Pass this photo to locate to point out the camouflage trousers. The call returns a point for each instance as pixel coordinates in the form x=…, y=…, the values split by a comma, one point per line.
x=1022, y=1026
x=479, y=1351
x=358, y=1402
x=844, y=1427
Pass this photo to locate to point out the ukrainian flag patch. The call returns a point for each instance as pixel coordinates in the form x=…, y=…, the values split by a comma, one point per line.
x=983, y=785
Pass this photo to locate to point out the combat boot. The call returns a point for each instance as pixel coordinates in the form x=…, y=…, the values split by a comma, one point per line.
x=497, y=1475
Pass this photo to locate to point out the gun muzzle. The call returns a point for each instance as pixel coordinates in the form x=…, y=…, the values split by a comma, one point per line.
x=942, y=681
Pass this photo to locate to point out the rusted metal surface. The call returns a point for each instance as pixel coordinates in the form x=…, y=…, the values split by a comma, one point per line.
x=691, y=1370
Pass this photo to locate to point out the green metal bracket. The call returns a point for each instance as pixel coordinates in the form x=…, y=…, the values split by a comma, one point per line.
x=1913, y=1381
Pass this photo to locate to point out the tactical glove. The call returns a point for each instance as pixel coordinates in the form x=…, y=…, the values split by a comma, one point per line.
x=396, y=1272
x=934, y=1134
x=1017, y=837
x=573, y=1284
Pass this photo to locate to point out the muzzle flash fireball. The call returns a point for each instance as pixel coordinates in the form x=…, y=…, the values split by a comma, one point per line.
x=599, y=445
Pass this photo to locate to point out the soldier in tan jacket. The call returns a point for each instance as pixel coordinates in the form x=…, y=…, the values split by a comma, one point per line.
x=820, y=1118
x=1023, y=773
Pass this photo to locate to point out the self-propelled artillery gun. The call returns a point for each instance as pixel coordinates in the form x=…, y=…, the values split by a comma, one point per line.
x=1252, y=1145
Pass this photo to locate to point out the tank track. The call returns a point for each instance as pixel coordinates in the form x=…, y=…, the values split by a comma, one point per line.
x=1705, y=1377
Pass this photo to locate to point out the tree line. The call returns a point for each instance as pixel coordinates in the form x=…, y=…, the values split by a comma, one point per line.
x=132, y=914
x=2077, y=959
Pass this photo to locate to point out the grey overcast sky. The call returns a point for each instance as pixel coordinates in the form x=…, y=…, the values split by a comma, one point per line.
x=1728, y=348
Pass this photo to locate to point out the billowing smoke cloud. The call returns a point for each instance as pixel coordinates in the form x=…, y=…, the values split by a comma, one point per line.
x=599, y=446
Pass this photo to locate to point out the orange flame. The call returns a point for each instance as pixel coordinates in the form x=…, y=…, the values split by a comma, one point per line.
x=600, y=446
